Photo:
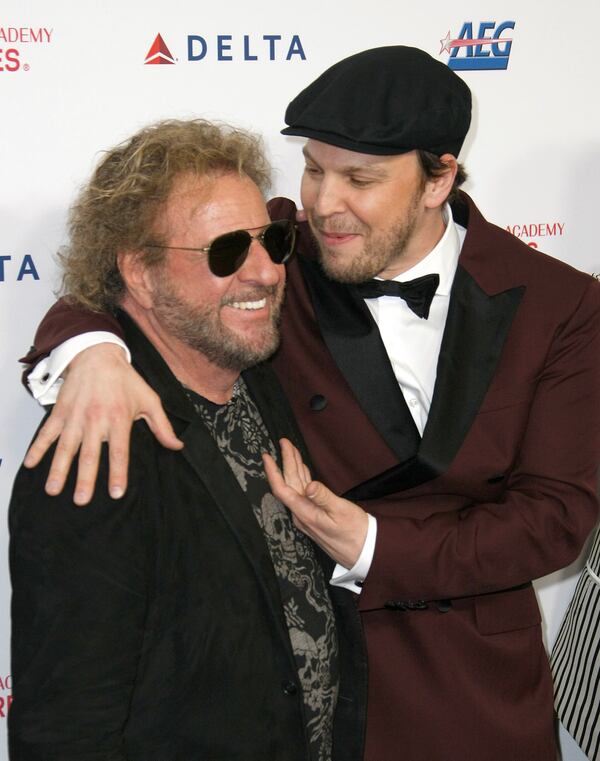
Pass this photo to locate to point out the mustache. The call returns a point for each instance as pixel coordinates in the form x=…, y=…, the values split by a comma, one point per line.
x=253, y=294
x=335, y=225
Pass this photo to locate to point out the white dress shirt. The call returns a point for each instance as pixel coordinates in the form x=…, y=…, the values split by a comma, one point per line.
x=412, y=345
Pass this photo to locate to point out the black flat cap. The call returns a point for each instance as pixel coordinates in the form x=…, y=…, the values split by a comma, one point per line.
x=385, y=101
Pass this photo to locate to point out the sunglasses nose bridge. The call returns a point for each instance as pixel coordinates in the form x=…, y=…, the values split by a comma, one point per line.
x=260, y=237
x=258, y=266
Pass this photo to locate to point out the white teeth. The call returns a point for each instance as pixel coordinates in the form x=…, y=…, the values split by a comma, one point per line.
x=248, y=304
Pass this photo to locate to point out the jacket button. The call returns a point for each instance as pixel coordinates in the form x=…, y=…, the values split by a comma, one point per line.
x=318, y=402
x=417, y=605
x=290, y=688
x=395, y=605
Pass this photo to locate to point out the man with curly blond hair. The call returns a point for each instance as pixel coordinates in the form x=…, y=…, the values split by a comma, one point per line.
x=196, y=622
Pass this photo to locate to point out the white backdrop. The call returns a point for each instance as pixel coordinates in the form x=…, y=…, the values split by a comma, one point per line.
x=73, y=80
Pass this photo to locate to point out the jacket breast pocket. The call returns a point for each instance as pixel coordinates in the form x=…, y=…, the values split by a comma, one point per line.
x=507, y=611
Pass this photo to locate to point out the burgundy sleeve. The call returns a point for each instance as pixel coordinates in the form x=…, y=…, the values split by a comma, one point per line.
x=63, y=321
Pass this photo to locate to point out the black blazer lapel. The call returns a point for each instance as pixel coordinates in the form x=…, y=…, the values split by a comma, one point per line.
x=474, y=337
x=353, y=340
x=274, y=408
x=476, y=329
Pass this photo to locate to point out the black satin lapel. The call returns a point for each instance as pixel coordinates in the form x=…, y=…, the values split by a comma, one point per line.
x=354, y=342
x=474, y=337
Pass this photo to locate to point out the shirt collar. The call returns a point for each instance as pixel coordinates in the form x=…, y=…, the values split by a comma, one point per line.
x=443, y=258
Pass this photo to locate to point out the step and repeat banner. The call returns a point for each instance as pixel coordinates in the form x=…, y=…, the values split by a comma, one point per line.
x=76, y=78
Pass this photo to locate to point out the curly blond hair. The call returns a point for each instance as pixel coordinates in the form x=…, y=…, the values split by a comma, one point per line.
x=117, y=209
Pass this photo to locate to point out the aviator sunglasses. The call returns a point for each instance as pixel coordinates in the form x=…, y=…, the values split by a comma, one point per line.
x=228, y=252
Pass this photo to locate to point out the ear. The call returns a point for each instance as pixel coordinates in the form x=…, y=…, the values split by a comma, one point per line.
x=438, y=188
x=136, y=278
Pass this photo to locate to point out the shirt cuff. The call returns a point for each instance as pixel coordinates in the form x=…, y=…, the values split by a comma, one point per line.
x=352, y=579
x=44, y=380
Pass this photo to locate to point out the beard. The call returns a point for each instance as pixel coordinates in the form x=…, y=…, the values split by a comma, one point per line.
x=380, y=250
x=200, y=326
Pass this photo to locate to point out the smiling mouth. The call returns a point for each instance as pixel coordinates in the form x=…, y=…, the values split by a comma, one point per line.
x=248, y=304
x=337, y=237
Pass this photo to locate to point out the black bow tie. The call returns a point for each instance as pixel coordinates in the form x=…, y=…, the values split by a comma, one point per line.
x=417, y=293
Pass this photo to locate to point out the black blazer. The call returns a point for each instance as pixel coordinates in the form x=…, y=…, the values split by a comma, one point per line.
x=152, y=629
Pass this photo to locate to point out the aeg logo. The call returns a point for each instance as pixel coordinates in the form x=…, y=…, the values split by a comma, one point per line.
x=488, y=50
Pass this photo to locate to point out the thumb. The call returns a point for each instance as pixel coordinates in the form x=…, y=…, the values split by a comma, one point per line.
x=161, y=427
x=318, y=493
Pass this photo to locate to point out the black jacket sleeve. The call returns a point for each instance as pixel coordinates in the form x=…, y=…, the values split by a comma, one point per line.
x=79, y=578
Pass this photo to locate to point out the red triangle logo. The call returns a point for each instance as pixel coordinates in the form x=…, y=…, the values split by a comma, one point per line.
x=159, y=52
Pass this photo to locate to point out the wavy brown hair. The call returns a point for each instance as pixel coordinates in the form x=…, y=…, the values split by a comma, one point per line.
x=117, y=209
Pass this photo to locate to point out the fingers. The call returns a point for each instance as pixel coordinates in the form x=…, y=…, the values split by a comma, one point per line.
x=295, y=501
x=46, y=436
x=118, y=457
x=274, y=476
x=302, y=469
x=91, y=436
x=98, y=402
x=66, y=449
x=87, y=465
x=338, y=526
x=86, y=438
x=295, y=473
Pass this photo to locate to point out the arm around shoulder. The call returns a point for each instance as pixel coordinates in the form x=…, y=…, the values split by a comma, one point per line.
x=63, y=321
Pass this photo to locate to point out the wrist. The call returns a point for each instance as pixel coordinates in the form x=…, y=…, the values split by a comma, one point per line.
x=101, y=354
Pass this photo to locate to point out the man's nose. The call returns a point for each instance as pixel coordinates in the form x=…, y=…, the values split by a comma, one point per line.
x=329, y=199
x=259, y=267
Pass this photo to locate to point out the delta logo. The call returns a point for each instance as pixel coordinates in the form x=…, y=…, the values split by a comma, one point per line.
x=12, y=40
x=489, y=49
x=17, y=268
x=159, y=53
x=227, y=47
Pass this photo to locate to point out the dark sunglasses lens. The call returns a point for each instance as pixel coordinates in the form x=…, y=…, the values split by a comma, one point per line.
x=228, y=252
x=278, y=239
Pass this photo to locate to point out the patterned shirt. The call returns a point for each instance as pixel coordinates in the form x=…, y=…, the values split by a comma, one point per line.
x=241, y=435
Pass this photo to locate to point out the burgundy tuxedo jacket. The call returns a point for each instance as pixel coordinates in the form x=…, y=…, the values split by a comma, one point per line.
x=500, y=490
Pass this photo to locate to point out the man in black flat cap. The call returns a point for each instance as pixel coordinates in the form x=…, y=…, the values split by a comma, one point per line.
x=446, y=379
